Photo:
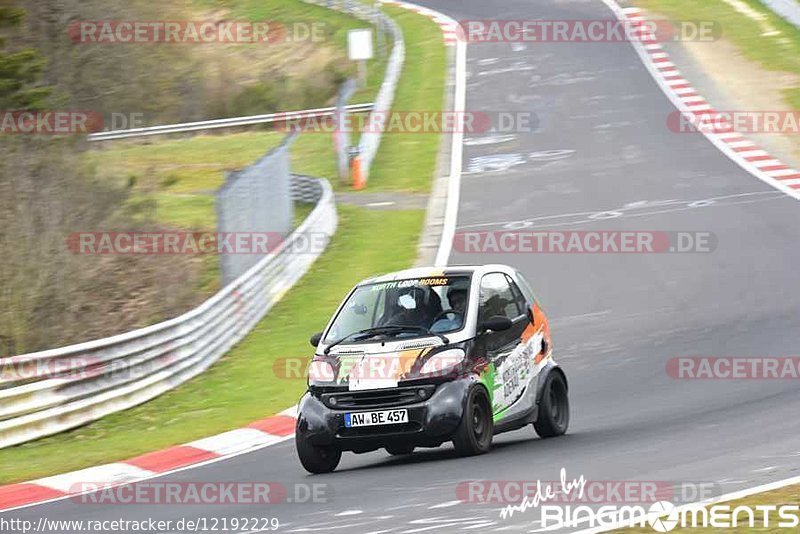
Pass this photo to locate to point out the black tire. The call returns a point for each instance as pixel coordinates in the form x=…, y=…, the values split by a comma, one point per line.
x=474, y=433
x=553, y=419
x=316, y=459
x=400, y=450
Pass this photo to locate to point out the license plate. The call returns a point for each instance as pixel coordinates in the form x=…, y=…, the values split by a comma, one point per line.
x=385, y=417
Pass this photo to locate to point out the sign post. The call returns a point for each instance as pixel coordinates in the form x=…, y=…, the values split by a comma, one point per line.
x=359, y=48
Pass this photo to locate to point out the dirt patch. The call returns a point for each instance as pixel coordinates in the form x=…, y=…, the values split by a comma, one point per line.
x=745, y=80
x=750, y=87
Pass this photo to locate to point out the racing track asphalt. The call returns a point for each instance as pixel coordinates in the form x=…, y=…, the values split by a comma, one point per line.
x=616, y=318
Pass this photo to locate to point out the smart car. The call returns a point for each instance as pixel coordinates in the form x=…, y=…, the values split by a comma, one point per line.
x=426, y=356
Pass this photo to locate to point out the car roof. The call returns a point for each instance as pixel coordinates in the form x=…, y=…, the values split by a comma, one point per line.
x=432, y=272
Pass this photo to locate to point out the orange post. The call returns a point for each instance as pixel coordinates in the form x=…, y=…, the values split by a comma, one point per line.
x=357, y=174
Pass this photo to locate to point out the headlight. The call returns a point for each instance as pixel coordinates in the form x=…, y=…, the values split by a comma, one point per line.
x=443, y=362
x=320, y=371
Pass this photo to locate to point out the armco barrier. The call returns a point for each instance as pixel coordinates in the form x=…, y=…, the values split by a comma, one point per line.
x=51, y=391
x=216, y=124
x=370, y=141
x=788, y=9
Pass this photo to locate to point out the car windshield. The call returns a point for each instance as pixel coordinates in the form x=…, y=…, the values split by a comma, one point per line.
x=415, y=306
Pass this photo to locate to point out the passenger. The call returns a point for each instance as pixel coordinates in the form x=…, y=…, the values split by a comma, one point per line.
x=453, y=318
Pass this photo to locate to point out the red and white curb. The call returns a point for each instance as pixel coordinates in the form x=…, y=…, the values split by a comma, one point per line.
x=254, y=436
x=744, y=152
x=450, y=28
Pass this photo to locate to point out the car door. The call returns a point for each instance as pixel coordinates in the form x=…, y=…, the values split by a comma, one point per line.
x=502, y=349
x=538, y=332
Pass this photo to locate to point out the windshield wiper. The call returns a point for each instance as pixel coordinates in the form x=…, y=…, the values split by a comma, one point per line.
x=421, y=330
x=388, y=330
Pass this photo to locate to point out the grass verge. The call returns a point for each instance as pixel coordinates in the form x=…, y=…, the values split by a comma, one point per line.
x=182, y=175
x=787, y=495
x=243, y=386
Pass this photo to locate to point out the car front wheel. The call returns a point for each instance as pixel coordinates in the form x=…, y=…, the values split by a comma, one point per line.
x=474, y=433
x=316, y=459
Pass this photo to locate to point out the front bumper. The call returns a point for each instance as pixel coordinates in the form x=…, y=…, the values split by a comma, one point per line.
x=430, y=422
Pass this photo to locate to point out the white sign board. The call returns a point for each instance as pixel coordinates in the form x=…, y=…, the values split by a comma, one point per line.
x=359, y=44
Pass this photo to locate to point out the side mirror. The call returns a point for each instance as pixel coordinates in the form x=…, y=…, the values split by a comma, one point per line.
x=315, y=339
x=496, y=323
x=529, y=311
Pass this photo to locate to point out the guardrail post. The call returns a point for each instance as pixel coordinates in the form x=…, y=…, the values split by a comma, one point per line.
x=358, y=175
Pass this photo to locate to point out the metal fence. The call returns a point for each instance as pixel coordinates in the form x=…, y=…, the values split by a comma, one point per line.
x=256, y=199
x=54, y=390
x=216, y=124
x=341, y=135
x=370, y=141
x=788, y=9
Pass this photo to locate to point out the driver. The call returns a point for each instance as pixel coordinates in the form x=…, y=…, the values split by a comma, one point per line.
x=451, y=319
x=407, y=311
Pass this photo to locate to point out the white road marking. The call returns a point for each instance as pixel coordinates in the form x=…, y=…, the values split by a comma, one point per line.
x=672, y=205
x=740, y=144
x=782, y=172
x=456, y=160
x=751, y=153
x=765, y=469
x=447, y=504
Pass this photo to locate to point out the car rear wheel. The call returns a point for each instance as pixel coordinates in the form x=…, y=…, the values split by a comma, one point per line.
x=474, y=433
x=553, y=418
x=316, y=459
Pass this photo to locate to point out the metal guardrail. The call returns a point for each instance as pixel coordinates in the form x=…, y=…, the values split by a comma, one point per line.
x=222, y=123
x=370, y=141
x=54, y=390
x=788, y=9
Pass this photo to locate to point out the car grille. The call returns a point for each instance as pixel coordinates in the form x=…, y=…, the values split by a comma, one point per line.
x=380, y=398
